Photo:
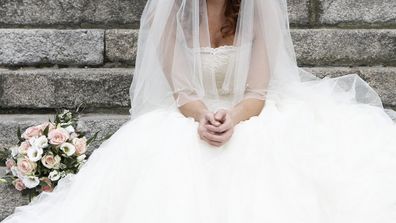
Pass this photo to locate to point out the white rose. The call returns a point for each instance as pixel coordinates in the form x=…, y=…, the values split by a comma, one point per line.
x=54, y=175
x=80, y=144
x=62, y=174
x=30, y=181
x=81, y=157
x=15, y=172
x=57, y=162
x=50, y=161
x=14, y=151
x=68, y=148
x=81, y=164
x=70, y=129
x=22, y=149
x=32, y=140
x=58, y=136
x=40, y=142
x=33, y=131
x=34, y=153
x=18, y=184
x=25, y=166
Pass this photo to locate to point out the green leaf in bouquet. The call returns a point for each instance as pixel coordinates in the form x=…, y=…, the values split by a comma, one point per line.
x=106, y=137
x=31, y=193
x=19, y=134
x=7, y=179
x=92, y=138
x=81, y=134
x=57, y=119
x=46, y=131
x=4, y=154
x=43, y=183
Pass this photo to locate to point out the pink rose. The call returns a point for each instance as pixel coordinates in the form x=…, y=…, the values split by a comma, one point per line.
x=23, y=148
x=50, y=161
x=48, y=187
x=32, y=132
x=58, y=136
x=25, y=166
x=10, y=163
x=80, y=144
x=45, y=124
x=19, y=185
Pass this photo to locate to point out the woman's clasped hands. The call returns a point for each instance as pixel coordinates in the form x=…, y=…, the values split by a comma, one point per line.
x=216, y=128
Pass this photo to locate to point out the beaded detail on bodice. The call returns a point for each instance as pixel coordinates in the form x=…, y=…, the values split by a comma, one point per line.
x=215, y=61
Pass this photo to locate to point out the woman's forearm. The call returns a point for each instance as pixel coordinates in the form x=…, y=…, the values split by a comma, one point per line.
x=195, y=109
x=245, y=109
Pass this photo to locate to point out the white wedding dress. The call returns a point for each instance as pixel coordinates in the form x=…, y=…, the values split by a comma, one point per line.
x=297, y=162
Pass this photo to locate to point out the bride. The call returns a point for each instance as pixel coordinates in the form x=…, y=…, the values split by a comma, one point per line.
x=225, y=128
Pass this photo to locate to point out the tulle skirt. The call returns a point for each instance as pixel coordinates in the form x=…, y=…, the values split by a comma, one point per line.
x=299, y=161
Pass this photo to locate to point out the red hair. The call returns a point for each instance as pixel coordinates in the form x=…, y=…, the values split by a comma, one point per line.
x=231, y=13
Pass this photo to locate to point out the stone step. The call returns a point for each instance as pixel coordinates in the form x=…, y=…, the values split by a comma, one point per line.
x=53, y=88
x=31, y=47
x=342, y=47
x=314, y=47
x=121, y=46
x=109, y=87
x=126, y=13
x=70, y=13
x=379, y=13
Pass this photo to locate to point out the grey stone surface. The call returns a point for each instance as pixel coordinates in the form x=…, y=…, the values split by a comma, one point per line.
x=9, y=199
x=88, y=13
x=107, y=124
x=381, y=79
x=109, y=87
x=314, y=47
x=298, y=11
x=51, y=46
x=65, y=87
x=357, y=12
x=121, y=45
x=358, y=47
x=66, y=13
x=3, y=171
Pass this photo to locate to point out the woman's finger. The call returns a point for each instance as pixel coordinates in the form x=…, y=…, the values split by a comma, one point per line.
x=217, y=138
x=226, y=125
x=220, y=115
x=212, y=128
x=211, y=119
x=213, y=143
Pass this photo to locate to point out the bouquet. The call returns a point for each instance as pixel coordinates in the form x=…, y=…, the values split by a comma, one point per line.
x=45, y=154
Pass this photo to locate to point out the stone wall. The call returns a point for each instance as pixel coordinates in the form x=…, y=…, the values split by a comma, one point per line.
x=66, y=52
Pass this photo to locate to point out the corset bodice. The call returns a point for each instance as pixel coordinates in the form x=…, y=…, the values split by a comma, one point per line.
x=215, y=63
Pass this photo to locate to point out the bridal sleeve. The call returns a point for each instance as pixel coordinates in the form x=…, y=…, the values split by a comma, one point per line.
x=178, y=63
x=259, y=70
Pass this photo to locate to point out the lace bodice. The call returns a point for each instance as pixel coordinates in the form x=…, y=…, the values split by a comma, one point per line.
x=215, y=61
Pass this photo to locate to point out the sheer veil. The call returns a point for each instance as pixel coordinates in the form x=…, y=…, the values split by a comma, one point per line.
x=169, y=73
